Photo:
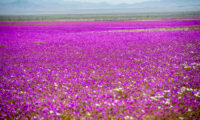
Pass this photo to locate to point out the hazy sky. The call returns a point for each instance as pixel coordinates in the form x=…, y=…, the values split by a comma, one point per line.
x=94, y=1
x=113, y=1
x=82, y=6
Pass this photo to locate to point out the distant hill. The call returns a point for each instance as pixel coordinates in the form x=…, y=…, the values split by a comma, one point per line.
x=73, y=7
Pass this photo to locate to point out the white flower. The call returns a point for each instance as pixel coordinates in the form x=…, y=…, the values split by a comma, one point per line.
x=183, y=89
x=51, y=111
x=55, y=84
x=181, y=118
x=167, y=101
x=185, y=77
x=118, y=89
x=145, y=79
x=179, y=93
x=142, y=111
x=159, y=96
x=197, y=94
x=100, y=86
x=97, y=105
x=154, y=98
x=167, y=91
x=189, y=89
x=128, y=117
x=58, y=114
x=88, y=114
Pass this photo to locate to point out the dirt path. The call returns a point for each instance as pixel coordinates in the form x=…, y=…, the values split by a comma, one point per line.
x=159, y=29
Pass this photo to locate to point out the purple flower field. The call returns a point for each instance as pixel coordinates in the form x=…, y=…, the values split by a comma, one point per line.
x=112, y=70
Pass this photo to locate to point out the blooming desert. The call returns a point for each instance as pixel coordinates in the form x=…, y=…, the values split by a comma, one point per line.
x=110, y=70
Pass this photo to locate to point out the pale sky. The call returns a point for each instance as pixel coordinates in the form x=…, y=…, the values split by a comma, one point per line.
x=94, y=1
x=113, y=1
x=70, y=6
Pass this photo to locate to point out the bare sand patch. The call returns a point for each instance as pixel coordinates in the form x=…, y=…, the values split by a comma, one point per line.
x=159, y=29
